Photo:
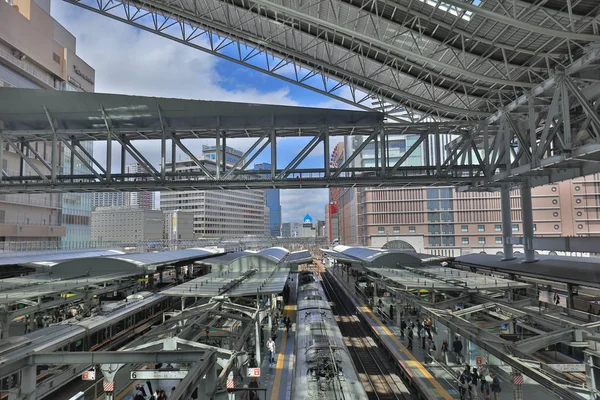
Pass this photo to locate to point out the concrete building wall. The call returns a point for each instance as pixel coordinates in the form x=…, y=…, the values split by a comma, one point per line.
x=109, y=199
x=178, y=225
x=37, y=52
x=223, y=213
x=126, y=225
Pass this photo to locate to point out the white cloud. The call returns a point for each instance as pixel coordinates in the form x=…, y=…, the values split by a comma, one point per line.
x=131, y=61
x=300, y=202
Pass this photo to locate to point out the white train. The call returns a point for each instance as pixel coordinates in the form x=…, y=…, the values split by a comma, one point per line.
x=116, y=324
x=324, y=368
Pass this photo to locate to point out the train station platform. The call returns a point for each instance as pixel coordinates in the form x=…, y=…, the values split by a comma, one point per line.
x=436, y=380
x=278, y=379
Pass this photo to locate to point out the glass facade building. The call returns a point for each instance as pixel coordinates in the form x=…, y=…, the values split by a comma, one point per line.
x=273, y=201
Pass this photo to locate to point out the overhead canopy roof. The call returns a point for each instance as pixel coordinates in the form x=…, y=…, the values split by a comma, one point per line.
x=245, y=260
x=442, y=278
x=33, y=286
x=276, y=254
x=29, y=257
x=23, y=114
x=377, y=256
x=299, y=257
x=577, y=270
x=166, y=258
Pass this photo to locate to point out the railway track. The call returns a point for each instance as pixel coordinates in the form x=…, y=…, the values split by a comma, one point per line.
x=373, y=366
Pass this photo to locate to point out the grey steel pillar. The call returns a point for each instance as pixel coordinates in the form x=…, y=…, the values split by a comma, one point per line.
x=527, y=217
x=506, y=223
x=257, y=343
x=210, y=382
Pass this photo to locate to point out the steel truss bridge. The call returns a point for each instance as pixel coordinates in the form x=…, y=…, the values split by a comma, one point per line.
x=515, y=83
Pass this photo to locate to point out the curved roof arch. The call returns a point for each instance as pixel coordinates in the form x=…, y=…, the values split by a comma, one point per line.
x=459, y=59
x=384, y=257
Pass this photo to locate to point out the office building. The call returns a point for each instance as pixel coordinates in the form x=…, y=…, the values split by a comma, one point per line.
x=37, y=52
x=332, y=227
x=109, y=199
x=178, y=225
x=443, y=221
x=218, y=213
x=127, y=225
x=273, y=201
x=142, y=200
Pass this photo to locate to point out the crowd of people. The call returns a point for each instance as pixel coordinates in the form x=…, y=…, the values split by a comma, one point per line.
x=469, y=381
x=158, y=394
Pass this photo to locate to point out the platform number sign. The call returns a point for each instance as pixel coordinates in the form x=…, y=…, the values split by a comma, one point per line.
x=254, y=372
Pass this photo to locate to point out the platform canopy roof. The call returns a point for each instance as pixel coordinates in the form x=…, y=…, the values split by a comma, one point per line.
x=23, y=113
x=33, y=286
x=53, y=256
x=583, y=271
x=383, y=257
x=248, y=259
x=299, y=257
x=443, y=278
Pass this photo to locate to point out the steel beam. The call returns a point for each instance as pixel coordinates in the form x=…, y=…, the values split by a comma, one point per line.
x=118, y=357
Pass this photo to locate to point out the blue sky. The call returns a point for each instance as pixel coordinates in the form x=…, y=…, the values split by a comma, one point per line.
x=130, y=61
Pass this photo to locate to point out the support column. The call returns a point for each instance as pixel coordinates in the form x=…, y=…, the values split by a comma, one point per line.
x=150, y=281
x=572, y=289
x=527, y=218
x=210, y=382
x=506, y=223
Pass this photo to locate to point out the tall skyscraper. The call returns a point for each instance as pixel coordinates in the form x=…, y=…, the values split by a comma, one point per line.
x=273, y=201
x=218, y=213
x=37, y=52
x=109, y=199
x=142, y=200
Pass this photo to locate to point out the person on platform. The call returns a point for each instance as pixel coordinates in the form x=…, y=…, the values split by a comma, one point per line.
x=495, y=386
x=484, y=387
x=457, y=346
x=423, y=337
x=271, y=347
x=445, y=351
x=253, y=385
x=402, y=329
x=464, y=383
x=410, y=338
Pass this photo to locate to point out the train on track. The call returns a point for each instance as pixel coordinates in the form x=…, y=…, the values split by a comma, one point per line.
x=324, y=369
x=115, y=324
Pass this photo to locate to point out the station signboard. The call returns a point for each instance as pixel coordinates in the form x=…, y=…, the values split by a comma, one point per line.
x=89, y=375
x=254, y=372
x=152, y=374
x=574, y=367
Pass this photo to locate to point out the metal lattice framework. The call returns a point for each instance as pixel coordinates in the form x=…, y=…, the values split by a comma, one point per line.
x=456, y=59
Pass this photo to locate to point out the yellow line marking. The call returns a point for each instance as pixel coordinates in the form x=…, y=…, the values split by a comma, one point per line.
x=280, y=359
x=416, y=362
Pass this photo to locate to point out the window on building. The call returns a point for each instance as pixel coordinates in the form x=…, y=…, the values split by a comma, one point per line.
x=381, y=229
x=396, y=229
x=481, y=240
x=464, y=228
x=555, y=213
x=498, y=240
x=554, y=201
x=557, y=227
x=480, y=228
x=515, y=227
x=498, y=228
x=578, y=201
x=554, y=188
x=580, y=226
x=577, y=188
x=465, y=240
x=412, y=229
x=534, y=227
x=579, y=213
